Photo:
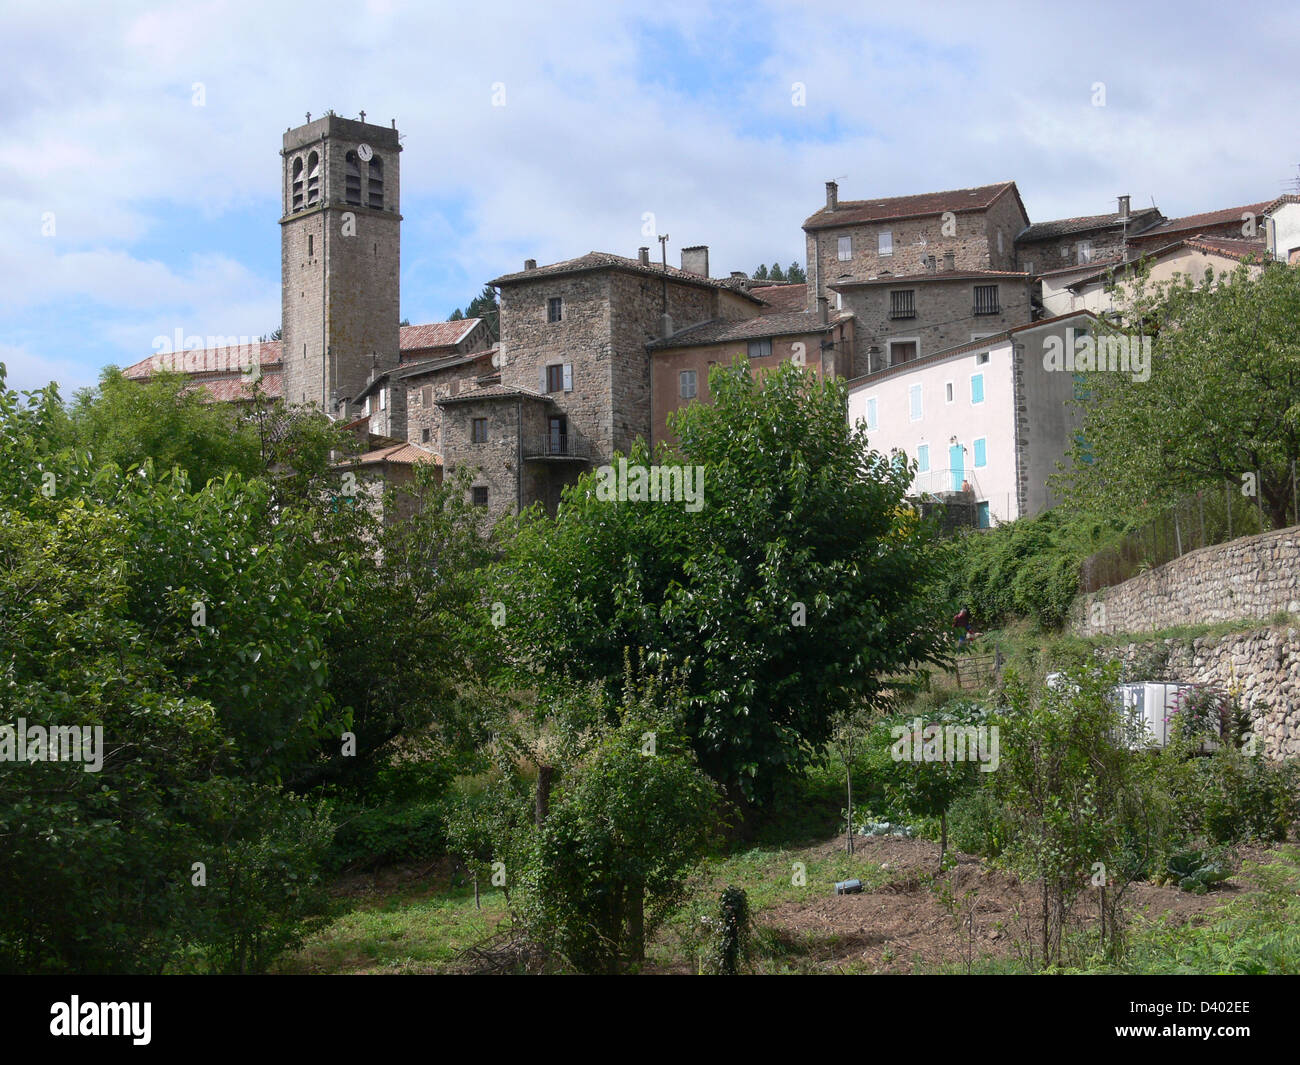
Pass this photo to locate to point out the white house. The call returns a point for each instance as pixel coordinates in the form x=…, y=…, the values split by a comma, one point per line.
x=989, y=416
x=1282, y=229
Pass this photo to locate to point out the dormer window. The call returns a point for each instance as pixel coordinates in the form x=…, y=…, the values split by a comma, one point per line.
x=297, y=201
x=313, y=179
x=376, y=190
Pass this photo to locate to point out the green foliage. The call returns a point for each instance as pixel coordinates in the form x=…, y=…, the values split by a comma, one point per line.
x=731, y=944
x=1027, y=568
x=1223, y=398
x=977, y=824
x=1246, y=798
x=1196, y=870
x=802, y=549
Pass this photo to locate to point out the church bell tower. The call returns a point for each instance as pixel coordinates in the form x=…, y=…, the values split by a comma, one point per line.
x=340, y=245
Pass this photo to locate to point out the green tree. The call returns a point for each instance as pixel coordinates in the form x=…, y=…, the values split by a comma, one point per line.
x=761, y=273
x=795, y=273
x=1222, y=402
x=776, y=273
x=799, y=585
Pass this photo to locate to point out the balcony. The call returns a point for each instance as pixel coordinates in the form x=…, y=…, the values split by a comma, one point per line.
x=556, y=448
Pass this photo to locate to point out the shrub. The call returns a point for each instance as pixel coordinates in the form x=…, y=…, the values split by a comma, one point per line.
x=978, y=824
x=1245, y=797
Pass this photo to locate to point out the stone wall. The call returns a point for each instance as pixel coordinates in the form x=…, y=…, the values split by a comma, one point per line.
x=1251, y=577
x=944, y=318
x=1263, y=665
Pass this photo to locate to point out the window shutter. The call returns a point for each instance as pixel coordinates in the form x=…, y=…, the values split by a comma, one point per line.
x=541, y=381
x=568, y=377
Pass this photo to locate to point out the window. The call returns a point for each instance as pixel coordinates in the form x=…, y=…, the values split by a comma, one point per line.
x=313, y=178
x=760, y=349
x=902, y=304
x=558, y=377
x=999, y=242
x=383, y=398
x=297, y=184
x=923, y=459
x=424, y=436
x=885, y=242
x=426, y=396
x=558, y=435
x=986, y=299
x=478, y=495
x=914, y=402
x=311, y=244
x=352, y=179
x=981, y=452
x=555, y=309
x=977, y=388
x=982, y=511
x=845, y=249
x=375, y=197
x=947, y=392
x=1029, y=267
x=872, y=420
x=839, y=302
x=478, y=431
x=1083, y=251
x=686, y=384
x=901, y=351
x=981, y=358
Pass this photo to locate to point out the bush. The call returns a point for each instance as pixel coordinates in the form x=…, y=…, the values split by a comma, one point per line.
x=977, y=823
x=1245, y=797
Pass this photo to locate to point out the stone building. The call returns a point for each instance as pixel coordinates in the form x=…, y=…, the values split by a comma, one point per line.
x=680, y=364
x=1083, y=243
x=340, y=256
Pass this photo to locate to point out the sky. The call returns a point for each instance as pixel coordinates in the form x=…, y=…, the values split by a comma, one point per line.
x=140, y=174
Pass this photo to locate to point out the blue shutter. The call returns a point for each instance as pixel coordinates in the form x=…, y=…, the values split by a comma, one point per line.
x=981, y=455
x=977, y=388
x=923, y=459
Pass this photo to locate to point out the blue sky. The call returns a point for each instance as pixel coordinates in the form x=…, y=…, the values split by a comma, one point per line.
x=164, y=213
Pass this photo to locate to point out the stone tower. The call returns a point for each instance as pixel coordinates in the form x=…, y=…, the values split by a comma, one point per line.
x=339, y=258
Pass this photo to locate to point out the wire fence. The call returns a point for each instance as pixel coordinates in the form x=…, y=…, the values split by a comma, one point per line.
x=1203, y=519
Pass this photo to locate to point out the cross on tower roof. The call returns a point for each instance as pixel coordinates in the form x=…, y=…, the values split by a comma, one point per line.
x=363, y=116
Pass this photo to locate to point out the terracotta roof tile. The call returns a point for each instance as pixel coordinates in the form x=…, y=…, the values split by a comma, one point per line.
x=435, y=334
x=781, y=298
x=1060, y=227
x=1188, y=225
x=493, y=392
x=720, y=330
x=852, y=212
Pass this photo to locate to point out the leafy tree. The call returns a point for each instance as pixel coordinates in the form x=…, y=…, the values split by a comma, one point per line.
x=629, y=817
x=1222, y=402
x=798, y=587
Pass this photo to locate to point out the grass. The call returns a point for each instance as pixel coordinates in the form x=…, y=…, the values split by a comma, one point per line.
x=412, y=930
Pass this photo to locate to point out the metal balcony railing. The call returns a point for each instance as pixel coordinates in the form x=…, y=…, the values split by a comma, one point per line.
x=565, y=446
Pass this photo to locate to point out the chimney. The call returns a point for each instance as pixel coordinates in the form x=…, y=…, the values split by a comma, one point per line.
x=832, y=195
x=643, y=254
x=950, y=260
x=530, y=264
x=665, y=326
x=1123, y=208
x=823, y=310
x=931, y=264
x=695, y=260
x=739, y=275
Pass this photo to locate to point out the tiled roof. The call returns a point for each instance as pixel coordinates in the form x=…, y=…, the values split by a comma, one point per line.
x=1083, y=224
x=435, y=363
x=1089, y=266
x=1173, y=228
x=492, y=392
x=721, y=330
x=230, y=359
x=396, y=455
x=1288, y=198
x=603, y=260
x=781, y=298
x=1230, y=246
x=937, y=275
x=232, y=389
x=852, y=212
x=435, y=334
